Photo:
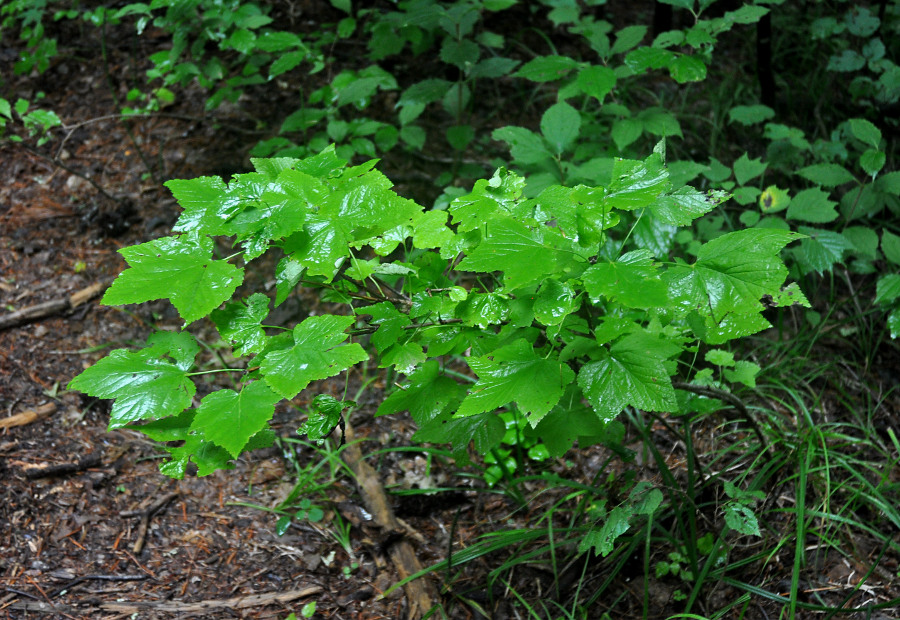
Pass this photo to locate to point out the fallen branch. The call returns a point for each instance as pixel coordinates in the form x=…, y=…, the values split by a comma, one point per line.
x=174, y=607
x=28, y=416
x=145, y=516
x=401, y=552
x=91, y=460
x=49, y=308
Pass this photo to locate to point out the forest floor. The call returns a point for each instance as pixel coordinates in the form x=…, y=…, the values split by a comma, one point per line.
x=89, y=528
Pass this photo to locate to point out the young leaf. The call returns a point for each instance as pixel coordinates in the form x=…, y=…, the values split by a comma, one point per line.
x=632, y=280
x=317, y=353
x=240, y=323
x=179, y=269
x=516, y=373
x=632, y=373
x=324, y=416
x=428, y=394
x=524, y=255
x=228, y=418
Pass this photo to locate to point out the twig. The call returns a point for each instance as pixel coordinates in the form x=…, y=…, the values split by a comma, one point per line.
x=55, y=306
x=56, y=162
x=145, y=516
x=204, y=607
x=28, y=416
x=72, y=583
x=91, y=460
x=402, y=554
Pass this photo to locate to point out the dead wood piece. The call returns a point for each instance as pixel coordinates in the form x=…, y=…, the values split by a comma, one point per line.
x=145, y=516
x=91, y=460
x=28, y=416
x=419, y=592
x=74, y=582
x=239, y=602
x=49, y=308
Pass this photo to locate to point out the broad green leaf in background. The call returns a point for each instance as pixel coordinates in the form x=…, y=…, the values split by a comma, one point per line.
x=516, y=373
x=746, y=169
x=888, y=288
x=822, y=249
x=865, y=131
x=890, y=245
x=826, y=175
x=560, y=125
x=144, y=383
x=872, y=161
x=179, y=269
x=812, y=205
x=596, y=81
x=228, y=418
x=485, y=429
x=525, y=145
x=625, y=131
x=627, y=38
x=687, y=69
x=632, y=373
x=317, y=353
x=546, y=68
x=750, y=114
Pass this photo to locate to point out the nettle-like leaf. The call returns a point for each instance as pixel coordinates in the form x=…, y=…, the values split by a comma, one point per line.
x=317, y=353
x=632, y=280
x=147, y=384
x=631, y=372
x=516, y=373
x=240, y=323
x=732, y=273
x=229, y=419
x=180, y=269
x=524, y=254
